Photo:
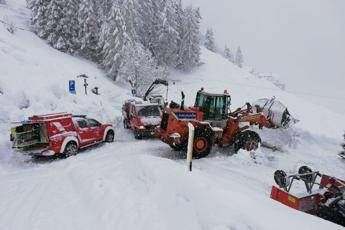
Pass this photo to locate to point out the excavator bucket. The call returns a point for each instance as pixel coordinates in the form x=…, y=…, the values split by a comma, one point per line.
x=276, y=112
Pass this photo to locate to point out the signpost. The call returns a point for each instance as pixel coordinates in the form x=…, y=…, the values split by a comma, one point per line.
x=190, y=146
x=85, y=81
x=71, y=86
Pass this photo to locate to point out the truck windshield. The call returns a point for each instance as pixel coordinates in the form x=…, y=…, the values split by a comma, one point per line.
x=149, y=111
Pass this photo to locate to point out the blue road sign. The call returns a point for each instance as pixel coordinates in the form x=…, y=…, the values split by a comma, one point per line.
x=71, y=84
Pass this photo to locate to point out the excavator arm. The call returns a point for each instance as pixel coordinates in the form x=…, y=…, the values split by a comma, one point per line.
x=152, y=86
x=256, y=119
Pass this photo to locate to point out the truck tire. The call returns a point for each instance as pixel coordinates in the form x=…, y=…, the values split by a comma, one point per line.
x=202, y=142
x=71, y=149
x=138, y=135
x=110, y=136
x=247, y=140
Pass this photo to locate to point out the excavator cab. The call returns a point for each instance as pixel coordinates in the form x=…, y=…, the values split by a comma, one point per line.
x=215, y=107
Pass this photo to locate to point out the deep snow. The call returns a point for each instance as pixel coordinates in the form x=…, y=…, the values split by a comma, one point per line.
x=134, y=184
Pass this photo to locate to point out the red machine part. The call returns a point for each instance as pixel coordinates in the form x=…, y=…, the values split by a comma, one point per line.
x=309, y=203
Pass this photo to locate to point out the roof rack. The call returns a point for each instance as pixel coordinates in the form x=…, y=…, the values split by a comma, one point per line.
x=80, y=116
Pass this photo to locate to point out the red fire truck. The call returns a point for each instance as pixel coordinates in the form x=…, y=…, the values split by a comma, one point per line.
x=59, y=134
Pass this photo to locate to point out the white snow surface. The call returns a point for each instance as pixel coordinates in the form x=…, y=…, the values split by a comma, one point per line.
x=132, y=184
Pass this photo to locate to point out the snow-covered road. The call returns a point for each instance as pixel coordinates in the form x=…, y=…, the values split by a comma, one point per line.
x=132, y=184
x=138, y=185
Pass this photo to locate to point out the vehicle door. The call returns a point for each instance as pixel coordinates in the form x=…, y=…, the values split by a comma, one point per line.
x=85, y=133
x=96, y=128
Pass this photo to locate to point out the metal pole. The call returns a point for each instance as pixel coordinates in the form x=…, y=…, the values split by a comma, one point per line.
x=85, y=85
x=190, y=146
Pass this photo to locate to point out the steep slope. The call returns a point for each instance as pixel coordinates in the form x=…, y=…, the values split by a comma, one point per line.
x=34, y=78
x=142, y=184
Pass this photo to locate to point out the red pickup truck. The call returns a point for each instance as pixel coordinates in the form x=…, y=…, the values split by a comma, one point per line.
x=59, y=134
x=141, y=117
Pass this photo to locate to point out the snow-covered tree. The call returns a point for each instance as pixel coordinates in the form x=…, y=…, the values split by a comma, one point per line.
x=189, y=46
x=239, y=57
x=116, y=42
x=39, y=16
x=210, y=41
x=343, y=146
x=89, y=23
x=228, y=54
x=146, y=23
x=110, y=31
x=62, y=25
x=140, y=69
x=168, y=36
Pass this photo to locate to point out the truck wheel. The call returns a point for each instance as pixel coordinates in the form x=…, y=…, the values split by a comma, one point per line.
x=110, y=137
x=247, y=140
x=70, y=149
x=202, y=143
x=138, y=135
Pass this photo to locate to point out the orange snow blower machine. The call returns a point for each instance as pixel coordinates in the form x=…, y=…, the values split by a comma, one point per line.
x=215, y=124
x=327, y=201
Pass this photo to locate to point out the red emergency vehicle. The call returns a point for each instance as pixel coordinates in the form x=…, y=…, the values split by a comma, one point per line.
x=59, y=134
x=142, y=117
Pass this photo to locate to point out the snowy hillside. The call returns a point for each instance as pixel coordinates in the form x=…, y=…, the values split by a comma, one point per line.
x=301, y=41
x=134, y=184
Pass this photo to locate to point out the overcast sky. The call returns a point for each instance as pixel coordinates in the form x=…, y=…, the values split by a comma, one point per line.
x=301, y=40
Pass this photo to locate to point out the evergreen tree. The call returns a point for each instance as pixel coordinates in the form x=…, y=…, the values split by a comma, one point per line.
x=129, y=14
x=343, y=146
x=89, y=24
x=140, y=69
x=209, y=40
x=147, y=23
x=239, y=57
x=228, y=54
x=62, y=25
x=39, y=16
x=189, y=50
x=118, y=34
x=116, y=42
x=168, y=35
